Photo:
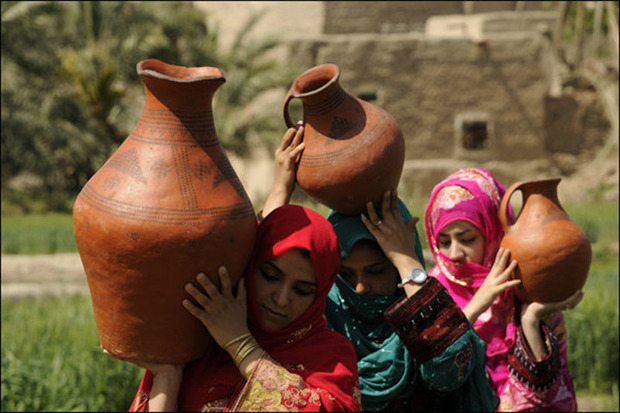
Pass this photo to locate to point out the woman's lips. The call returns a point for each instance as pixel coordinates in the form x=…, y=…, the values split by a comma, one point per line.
x=273, y=312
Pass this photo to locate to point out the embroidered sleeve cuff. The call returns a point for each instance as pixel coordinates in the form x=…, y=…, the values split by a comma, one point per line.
x=538, y=375
x=427, y=322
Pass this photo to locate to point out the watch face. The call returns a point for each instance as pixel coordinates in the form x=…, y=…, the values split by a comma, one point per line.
x=418, y=275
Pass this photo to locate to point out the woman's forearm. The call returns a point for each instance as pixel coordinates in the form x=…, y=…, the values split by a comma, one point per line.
x=534, y=338
x=472, y=311
x=165, y=390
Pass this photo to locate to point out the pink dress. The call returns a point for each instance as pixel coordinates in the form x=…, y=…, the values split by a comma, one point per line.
x=521, y=382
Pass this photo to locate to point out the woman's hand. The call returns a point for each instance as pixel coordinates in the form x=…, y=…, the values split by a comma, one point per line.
x=286, y=159
x=495, y=283
x=395, y=237
x=533, y=312
x=224, y=315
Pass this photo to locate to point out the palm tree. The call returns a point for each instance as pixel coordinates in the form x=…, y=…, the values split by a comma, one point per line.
x=69, y=96
x=248, y=106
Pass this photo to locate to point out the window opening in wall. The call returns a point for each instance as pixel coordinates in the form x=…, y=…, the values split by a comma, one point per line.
x=368, y=96
x=475, y=135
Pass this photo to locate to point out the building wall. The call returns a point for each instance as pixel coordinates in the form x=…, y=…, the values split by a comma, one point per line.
x=437, y=68
x=429, y=85
x=283, y=19
x=403, y=16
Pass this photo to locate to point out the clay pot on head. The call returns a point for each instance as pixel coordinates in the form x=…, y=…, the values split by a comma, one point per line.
x=552, y=252
x=164, y=207
x=354, y=150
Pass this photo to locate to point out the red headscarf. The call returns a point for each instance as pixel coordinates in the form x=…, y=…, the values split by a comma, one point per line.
x=323, y=358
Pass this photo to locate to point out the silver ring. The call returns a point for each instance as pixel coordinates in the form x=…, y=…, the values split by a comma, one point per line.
x=379, y=222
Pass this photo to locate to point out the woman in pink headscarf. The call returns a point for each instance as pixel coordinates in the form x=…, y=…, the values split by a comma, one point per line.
x=526, y=343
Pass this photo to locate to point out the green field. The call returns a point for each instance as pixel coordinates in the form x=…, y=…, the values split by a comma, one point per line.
x=37, y=234
x=51, y=359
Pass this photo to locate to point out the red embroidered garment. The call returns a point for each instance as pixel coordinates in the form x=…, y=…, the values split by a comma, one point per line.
x=307, y=367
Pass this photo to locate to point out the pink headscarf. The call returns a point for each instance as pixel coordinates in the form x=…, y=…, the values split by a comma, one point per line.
x=474, y=195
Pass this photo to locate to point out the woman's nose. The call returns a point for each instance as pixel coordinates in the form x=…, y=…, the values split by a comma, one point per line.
x=282, y=296
x=456, y=252
x=362, y=287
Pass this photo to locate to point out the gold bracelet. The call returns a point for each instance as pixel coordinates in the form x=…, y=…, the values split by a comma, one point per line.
x=250, y=348
x=248, y=340
x=236, y=339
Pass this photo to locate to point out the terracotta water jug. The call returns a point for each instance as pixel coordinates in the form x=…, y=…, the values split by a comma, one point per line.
x=354, y=150
x=552, y=252
x=165, y=206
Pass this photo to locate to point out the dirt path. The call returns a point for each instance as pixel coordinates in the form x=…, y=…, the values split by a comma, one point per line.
x=39, y=275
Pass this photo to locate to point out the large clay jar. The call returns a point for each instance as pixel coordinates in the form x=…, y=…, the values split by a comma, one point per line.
x=354, y=150
x=165, y=206
x=552, y=252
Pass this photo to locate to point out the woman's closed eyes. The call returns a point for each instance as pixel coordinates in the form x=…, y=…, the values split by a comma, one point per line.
x=272, y=274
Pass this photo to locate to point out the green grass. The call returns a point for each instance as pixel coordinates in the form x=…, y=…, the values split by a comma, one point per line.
x=38, y=234
x=52, y=361
x=593, y=334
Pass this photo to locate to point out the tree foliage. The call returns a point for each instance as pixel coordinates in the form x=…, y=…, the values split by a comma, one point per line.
x=71, y=94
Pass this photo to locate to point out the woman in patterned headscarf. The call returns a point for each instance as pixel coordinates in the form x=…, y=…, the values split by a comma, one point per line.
x=282, y=357
x=526, y=343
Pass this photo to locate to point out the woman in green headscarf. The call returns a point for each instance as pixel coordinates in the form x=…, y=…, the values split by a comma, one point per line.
x=416, y=350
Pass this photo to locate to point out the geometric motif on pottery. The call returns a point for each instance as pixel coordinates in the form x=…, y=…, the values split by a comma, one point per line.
x=227, y=173
x=128, y=163
x=363, y=142
x=186, y=185
x=341, y=126
x=161, y=168
x=200, y=170
x=170, y=216
x=111, y=182
x=179, y=128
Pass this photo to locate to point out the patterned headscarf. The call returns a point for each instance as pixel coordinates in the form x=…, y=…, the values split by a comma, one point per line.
x=473, y=195
x=386, y=370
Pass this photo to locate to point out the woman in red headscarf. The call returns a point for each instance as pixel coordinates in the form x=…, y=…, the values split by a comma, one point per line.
x=281, y=356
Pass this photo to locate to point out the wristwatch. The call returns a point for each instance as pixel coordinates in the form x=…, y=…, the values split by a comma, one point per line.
x=416, y=275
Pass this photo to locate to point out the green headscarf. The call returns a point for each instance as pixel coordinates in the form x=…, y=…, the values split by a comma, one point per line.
x=386, y=370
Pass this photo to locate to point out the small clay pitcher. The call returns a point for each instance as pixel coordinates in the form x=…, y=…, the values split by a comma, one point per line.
x=165, y=206
x=354, y=150
x=552, y=252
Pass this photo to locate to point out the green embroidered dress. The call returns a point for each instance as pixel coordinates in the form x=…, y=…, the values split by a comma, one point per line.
x=414, y=354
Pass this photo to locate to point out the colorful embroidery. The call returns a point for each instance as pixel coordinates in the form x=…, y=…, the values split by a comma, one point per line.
x=273, y=388
x=215, y=405
x=142, y=403
x=296, y=335
x=357, y=394
x=462, y=359
x=538, y=375
x=449, y=197
x=429, y=322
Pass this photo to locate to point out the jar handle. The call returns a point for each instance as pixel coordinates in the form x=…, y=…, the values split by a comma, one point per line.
x=503, y=208
x=287, y=117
